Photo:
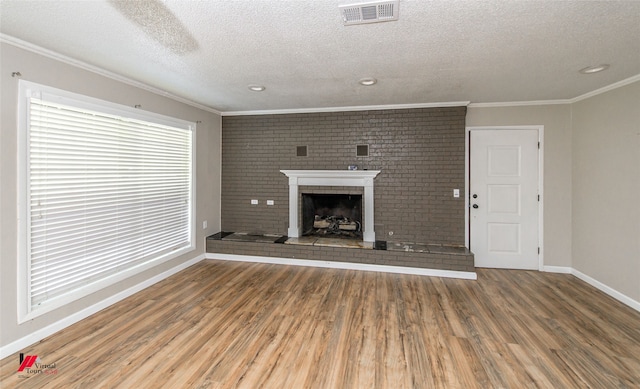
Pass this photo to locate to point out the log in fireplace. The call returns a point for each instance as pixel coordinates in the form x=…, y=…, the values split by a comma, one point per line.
x=333, y=215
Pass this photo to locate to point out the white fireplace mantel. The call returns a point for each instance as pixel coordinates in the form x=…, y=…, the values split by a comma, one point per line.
x=363, y=178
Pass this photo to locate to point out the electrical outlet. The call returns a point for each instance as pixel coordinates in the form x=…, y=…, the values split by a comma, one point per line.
x=254, y=202
x=270, y=202
x=204, y=224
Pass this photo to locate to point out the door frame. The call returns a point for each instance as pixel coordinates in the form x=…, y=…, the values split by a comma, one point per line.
x=467, y=178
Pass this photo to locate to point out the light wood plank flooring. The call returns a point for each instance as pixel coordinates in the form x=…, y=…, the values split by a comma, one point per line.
x=228, y=324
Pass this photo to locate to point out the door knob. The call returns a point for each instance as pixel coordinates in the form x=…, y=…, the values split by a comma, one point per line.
x=475, y=206
x=475, y=196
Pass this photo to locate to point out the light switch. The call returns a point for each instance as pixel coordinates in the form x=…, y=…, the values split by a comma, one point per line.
x=456, y=193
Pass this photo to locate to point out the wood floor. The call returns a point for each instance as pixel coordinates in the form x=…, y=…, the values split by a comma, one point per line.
x=229, y=324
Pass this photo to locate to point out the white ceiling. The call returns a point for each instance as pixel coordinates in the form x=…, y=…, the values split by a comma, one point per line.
x=208, y=52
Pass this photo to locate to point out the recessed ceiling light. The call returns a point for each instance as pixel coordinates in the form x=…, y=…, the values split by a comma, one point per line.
x=257, y=88
x=594, y=69
x=368, y=81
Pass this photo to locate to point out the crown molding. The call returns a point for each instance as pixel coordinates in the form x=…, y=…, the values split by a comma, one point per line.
x=587, y=95
x=97, y=70
x=607, y=88
x=348, y=109
x=117, y=77
x=519, y=103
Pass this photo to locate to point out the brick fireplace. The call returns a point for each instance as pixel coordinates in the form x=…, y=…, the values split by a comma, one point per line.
x=420, y=154
x=324, y=178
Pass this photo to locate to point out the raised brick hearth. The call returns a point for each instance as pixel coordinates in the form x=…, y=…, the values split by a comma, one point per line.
x=435, y=257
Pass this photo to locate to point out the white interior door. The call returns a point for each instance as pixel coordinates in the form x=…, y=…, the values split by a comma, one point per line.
x=503, y=191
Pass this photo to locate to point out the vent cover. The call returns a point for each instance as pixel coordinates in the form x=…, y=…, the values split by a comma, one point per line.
x=362, y=150
x=373, y=12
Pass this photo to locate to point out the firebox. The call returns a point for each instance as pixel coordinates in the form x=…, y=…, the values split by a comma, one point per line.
x=332, y=215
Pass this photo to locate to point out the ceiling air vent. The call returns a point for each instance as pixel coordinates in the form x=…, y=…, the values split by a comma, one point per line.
x=373, y=12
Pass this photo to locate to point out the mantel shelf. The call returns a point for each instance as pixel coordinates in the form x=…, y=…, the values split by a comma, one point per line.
x=352, y=174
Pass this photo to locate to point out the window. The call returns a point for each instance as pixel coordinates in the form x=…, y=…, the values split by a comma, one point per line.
x=107, y=192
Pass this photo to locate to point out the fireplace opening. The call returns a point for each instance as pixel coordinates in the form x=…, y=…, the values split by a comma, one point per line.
x=332, y=215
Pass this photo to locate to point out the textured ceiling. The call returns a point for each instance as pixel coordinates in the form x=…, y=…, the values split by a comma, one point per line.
x=208, y=52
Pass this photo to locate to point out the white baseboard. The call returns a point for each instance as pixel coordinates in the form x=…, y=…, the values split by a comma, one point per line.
x=557, y=269
x=597, y=284
x=42, y=333
x=608, y=290
x=345, y=265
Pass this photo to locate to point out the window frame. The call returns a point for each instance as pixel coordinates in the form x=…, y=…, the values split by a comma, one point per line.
x=26, y=90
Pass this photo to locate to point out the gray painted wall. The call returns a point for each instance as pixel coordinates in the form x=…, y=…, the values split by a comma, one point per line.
x=44, y=70
x=606, y=189
x=591, y=182
x=557, y=168
x=419, y=151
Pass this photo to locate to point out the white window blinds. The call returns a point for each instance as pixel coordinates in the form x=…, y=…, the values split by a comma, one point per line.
x=105, y=195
